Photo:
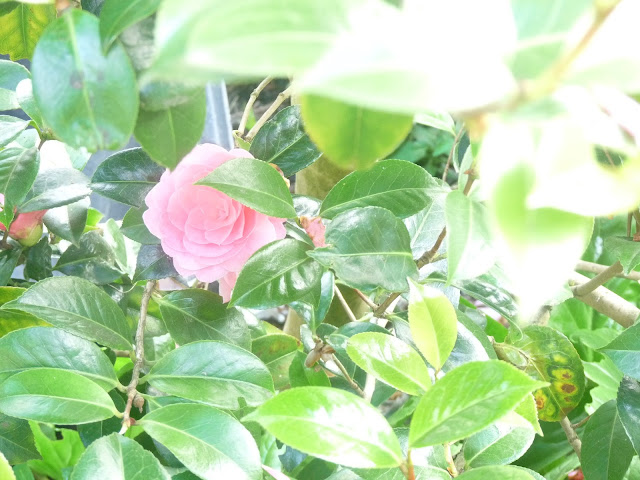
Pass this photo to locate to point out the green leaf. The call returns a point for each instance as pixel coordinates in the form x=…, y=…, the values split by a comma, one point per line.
x=606, y=449
x=469, y=245
x=90, y=432
x=54, y=396
x=624, y=351
x=215, y=373
x=439, y=120
x=38, y=262
x=196, y=314
x=381, y=256
x=352, y=136
x=127, y=177
x=21, y=28
x=55, y=188
x=433, y=323
x=59, y=454
x=24, y=93
x=314, y=307
x=53, y=348
x=18, y=170
x=425, y=226
x=625, y=250
x=447, y=413
x=168, y=135
x=255, y=184
x=501, y=472
x=332, y=425
x=301, y=376
x=68, y=221
x=629, y=409
x=528, y=411
x=273, y=42
x=5, y=469
x=16, y=440
x=92, y=258
x=84, y=310
x=192, y=433
x=11, y=128
x=117, y=15
x=8, y=262
x=606, y=376
x=499, y=444
x=133, y=227
x=87, y=98
x=11, y=74
x=118, y=458
x=397, y=185
x=284, y=142
x=390, y=360
x=277, y=352
x=153, y=264
x=279, y=273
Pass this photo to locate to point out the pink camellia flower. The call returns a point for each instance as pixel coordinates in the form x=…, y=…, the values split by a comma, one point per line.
x=26, y=227
x=207, y=233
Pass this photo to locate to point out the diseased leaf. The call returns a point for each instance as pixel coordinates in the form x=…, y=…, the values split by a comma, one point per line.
x=21, y=28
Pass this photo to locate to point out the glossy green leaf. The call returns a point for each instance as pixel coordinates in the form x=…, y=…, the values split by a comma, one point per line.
x=16, y=440
x=499, y=444
x=425, y=226
x=194, y=314
x=390, y=360
x=84, y=310
x=547, y=355
x=60, y=449
x=276, y=44
x=5, y=469
x=21, y=28
x=168, y=135
x=127, y=177
x=330, y=424
x=54, y=348
x=501, y=472
x=447, y=413
x=38, y=261
x=314, y=307
x=625, y=250
x=302, y=376
x=54, y=396
x=11, y=128
x=255, y=184
x=279, y=273
x=117, y=15
x=433, y=323
x=606, y=449
x=215, y=373
x=352, y=136
x=472, y=344
x=624, y=351
x=192, y=433
x=88, y=99
x=629, y=409
x=92, y=258
x=284, y=142
x=277, y=352
x=368, y=248
x=55, y=188
x=133, y=227
x=18, y=170
x=397, y=185
x=8, y=262
x=11, y=320
x=153, y=264
x=90, y=432
x=24, y=93
x=11, y=74
x=469, y=246
x=118, y=458
x=68, y=221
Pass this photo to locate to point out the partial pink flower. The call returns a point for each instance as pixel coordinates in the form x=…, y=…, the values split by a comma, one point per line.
x=205, y=232
x=26, y=227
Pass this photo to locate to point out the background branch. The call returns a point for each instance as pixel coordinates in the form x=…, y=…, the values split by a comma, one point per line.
x=597, y=268
x=572, y=436
x=600, y=279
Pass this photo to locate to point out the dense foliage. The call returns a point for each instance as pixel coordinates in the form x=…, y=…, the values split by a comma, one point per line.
x=454, y=165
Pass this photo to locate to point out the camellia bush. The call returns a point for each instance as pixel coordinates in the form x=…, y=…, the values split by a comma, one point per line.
x=456, y=263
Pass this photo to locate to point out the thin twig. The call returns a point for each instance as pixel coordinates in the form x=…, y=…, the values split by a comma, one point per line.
x=449, y=458
x=597, y=268
x=581, y=422
x=344, y=304
x=456, y=141
x=280, y=99
x=382, y=309
x=347, y=377
x=572, y=436
x=252, y=99
x=132, y=391
x=600, y=279
x=366, y=299
x=428, y=256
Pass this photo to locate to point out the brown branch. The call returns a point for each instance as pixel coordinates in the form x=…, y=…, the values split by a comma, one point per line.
x=382, y=309
x=597, y=268
x=344, y=304
x=428, y=256
x=132, y=392
x=572, y=436
x=600, y=279
x=456, y=141
x=581, y=422
x=280, y=99
x=347, y=377
x=252, y=99
x=366, y=299
x=608, y=303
